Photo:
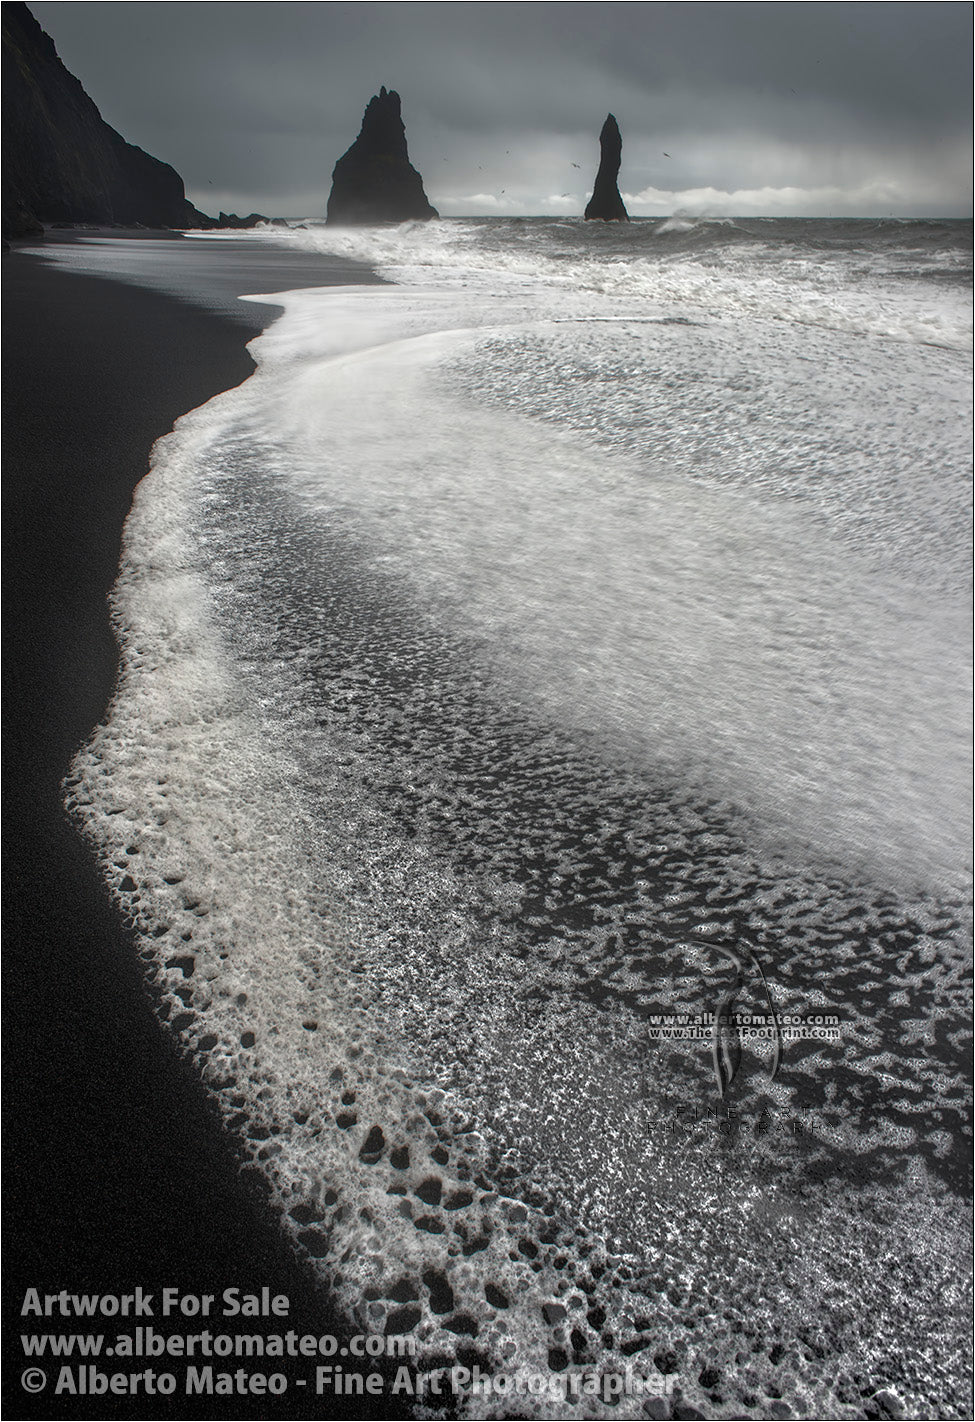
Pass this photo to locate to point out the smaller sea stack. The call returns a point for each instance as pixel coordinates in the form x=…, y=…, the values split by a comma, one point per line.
x=606, y=205
x=374, y=180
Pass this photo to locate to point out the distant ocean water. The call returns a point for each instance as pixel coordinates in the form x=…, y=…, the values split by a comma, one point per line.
x=585, y=593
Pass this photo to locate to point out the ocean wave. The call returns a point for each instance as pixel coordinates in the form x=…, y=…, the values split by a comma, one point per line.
x=442, y=1068
x=720, y=268
x=444, y=736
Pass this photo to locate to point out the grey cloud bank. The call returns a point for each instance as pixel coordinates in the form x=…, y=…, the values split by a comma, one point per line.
x=808, y=109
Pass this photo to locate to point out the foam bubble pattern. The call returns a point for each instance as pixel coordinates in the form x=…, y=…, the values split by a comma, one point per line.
x=410, y=922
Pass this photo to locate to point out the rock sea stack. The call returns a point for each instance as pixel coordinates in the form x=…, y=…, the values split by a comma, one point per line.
x=230, y=219
x=606, y=205
x=374, y=180
x=61, y=161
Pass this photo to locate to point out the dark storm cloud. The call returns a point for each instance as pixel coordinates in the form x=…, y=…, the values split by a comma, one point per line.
x=860, y=104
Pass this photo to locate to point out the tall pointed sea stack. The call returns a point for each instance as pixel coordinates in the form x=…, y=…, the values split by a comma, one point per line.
x=606, y=203
x=374, y=180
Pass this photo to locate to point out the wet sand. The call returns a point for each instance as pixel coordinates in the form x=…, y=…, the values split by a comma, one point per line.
x=119, y=1174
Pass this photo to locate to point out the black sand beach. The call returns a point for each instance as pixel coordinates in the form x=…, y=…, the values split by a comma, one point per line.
x=833, y=1249
x=120, y=1174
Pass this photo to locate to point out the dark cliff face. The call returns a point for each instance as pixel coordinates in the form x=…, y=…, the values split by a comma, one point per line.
x=61, y=161
x=374, y=180
x=606, y=203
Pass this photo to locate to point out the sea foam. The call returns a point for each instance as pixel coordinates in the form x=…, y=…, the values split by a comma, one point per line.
x=728, y=269
x=444, y=736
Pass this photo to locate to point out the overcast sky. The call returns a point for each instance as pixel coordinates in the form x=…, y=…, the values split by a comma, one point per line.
x=819, y=109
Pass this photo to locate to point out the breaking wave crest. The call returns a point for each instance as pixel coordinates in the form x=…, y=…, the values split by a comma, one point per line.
x=808, y=273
